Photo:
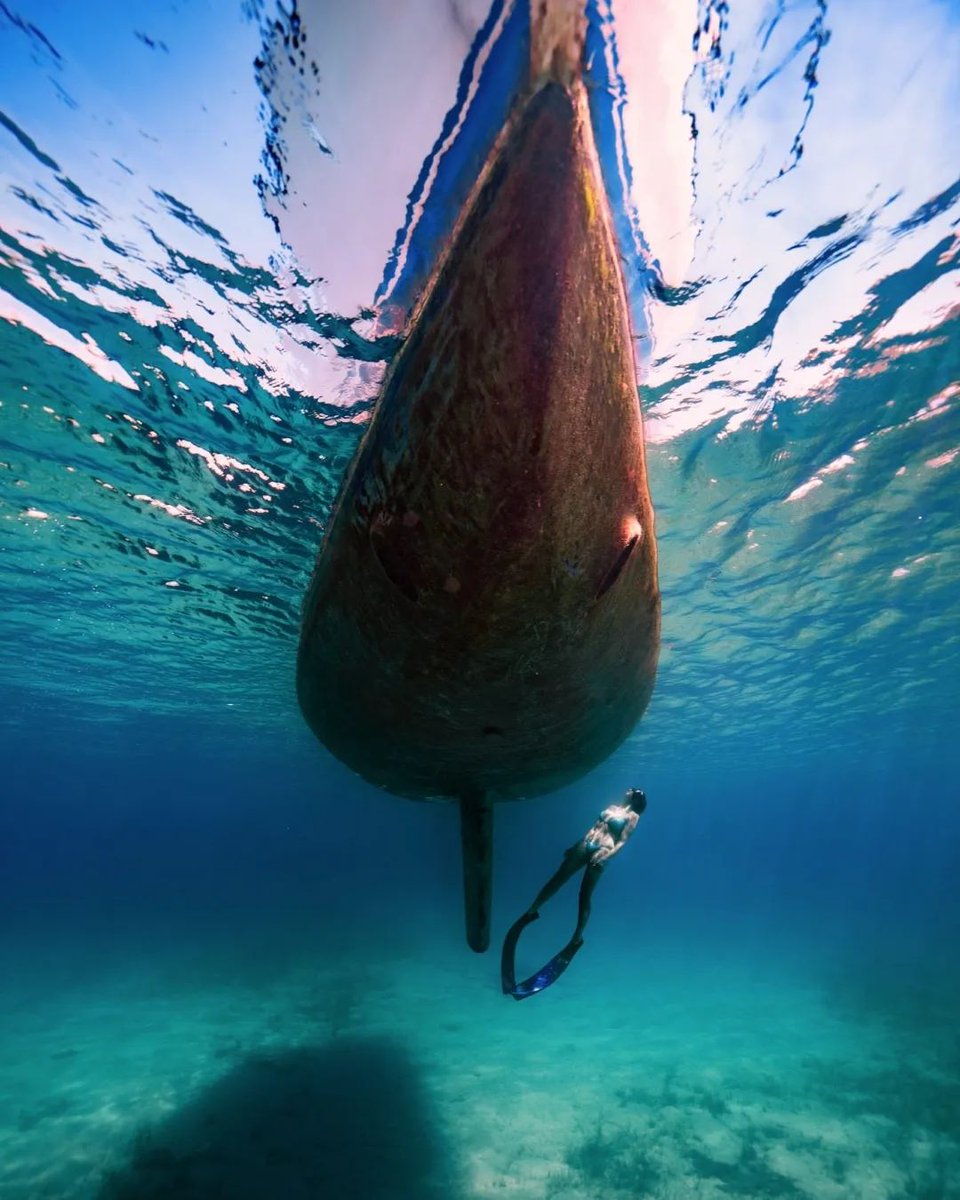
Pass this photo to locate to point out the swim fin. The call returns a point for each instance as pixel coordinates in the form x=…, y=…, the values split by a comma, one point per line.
x=541, y=979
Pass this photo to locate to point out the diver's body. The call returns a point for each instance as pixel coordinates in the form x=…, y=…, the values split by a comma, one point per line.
x=605, y=838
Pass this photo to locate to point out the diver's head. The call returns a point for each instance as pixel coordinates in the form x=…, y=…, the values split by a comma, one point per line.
x=636, y=800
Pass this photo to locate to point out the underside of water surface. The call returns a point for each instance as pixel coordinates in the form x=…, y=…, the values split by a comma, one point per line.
x=228, y=967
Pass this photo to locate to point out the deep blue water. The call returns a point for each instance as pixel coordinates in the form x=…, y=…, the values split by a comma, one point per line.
x=221, y=954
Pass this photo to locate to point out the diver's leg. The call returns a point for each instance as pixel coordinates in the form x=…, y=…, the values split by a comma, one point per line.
x=573, y=860
x=552, y=971
x=590, y=877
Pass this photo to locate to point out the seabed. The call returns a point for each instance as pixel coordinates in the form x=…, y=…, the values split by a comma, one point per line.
x=678, y=1070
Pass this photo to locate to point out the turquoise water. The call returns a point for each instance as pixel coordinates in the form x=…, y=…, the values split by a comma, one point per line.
x=231, y=969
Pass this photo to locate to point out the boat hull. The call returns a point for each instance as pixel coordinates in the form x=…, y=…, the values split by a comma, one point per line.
x=484, y=615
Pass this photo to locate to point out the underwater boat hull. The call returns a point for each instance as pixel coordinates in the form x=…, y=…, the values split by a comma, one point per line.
x=483, y=618
x=463, y=632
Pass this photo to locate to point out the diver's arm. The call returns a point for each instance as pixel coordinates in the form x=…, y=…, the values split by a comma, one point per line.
x=615, y=845
x=621, y=838
x=604, y=854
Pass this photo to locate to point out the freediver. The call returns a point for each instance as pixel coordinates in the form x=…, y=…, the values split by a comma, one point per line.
x=605, y=838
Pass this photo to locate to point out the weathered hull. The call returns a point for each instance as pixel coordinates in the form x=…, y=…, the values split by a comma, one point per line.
x=483, y=618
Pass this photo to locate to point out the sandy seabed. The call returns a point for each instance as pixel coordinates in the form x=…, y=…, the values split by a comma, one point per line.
x=405, y=1075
